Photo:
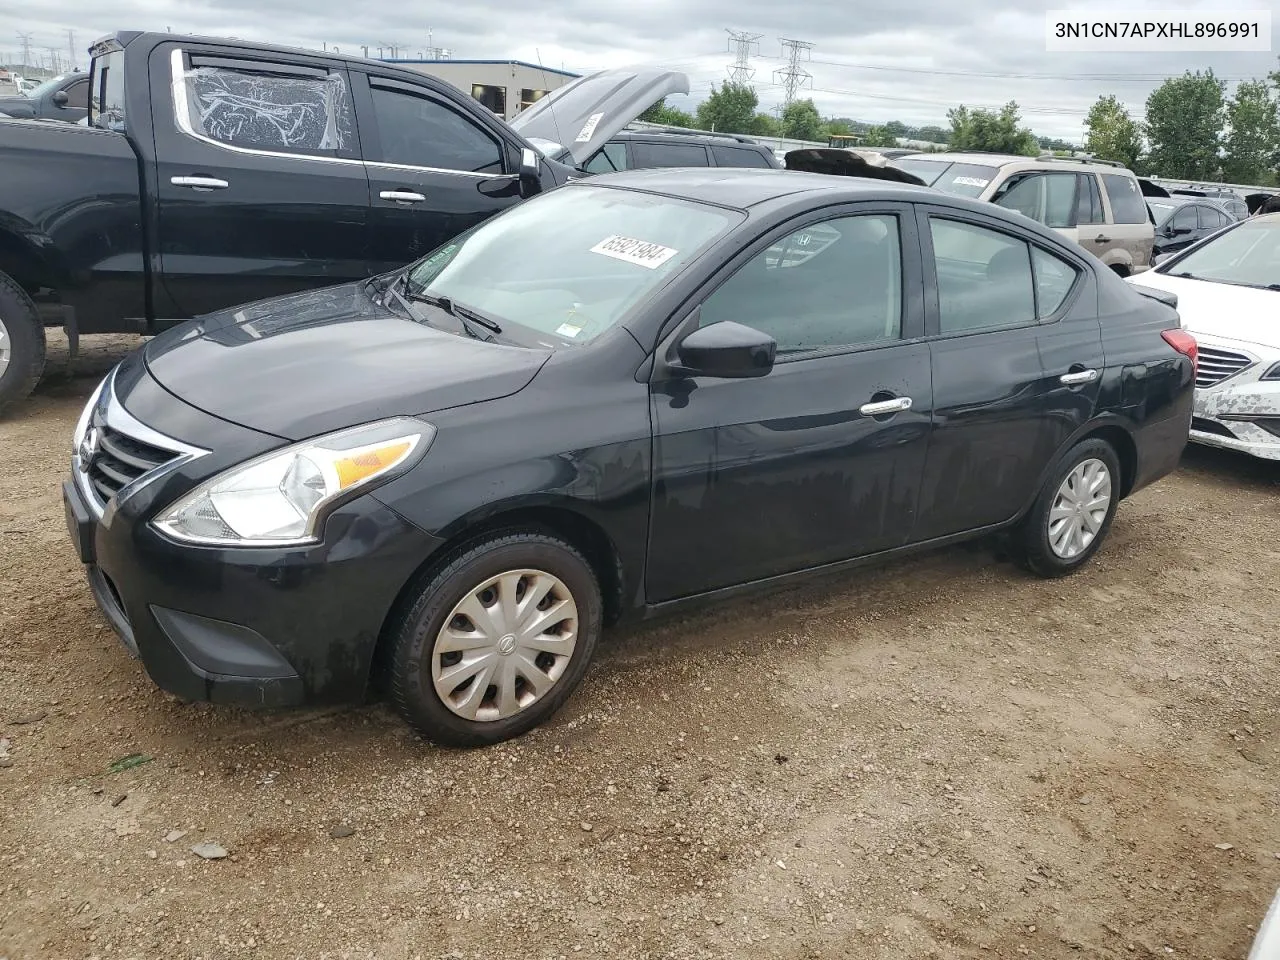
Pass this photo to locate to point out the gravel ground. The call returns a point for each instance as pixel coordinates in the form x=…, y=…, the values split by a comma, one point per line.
x=940, y=758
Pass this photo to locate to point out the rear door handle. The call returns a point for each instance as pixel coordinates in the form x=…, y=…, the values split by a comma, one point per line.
x=200, y=183
x=402, y=196
x=1077, y=377
x=881, y=407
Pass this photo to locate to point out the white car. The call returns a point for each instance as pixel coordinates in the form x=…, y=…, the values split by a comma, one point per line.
x=1228, y=289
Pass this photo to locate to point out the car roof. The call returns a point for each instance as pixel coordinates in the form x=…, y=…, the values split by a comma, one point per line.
x=989, y=159
x=1078, y=164
x=746, y=187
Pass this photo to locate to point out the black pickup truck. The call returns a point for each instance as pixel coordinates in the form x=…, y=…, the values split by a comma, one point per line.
x=215, y=172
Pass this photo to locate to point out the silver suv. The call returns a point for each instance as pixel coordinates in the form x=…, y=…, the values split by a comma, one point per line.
x=1095, y=203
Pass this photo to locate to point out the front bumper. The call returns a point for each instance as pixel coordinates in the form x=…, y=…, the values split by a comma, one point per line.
x=255, y=626
x=1240, y=413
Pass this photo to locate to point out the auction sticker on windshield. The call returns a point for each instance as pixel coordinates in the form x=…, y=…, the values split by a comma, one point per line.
x=640, y=252
x=971, y=181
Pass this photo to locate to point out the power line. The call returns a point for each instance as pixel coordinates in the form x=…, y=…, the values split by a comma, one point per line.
x=740, y=45
x=793, y=75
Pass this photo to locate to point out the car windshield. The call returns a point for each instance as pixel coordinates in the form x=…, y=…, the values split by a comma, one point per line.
x=47, y=87
x=1247, y=255
x=1161, y=211
x=569, y=264
x=962, y=179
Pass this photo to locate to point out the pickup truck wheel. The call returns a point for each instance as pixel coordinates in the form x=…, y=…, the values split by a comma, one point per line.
x=21, y=343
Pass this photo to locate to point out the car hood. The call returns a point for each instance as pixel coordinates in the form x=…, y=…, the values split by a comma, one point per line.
x=306, y=364
x=1221, y=309
x=583, y=114
x=16, y=105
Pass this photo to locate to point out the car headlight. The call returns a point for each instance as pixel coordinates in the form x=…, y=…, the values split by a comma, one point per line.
x=281, y=498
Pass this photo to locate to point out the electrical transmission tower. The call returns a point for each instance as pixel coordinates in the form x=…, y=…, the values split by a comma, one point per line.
x=71, y=47
x=740, y=45
x=25, y=40
x=793, y=76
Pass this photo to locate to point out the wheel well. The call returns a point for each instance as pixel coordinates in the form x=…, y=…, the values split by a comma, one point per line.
x=22, y=265
x=583, y=534
x=1120, y=269
x=1126, y=452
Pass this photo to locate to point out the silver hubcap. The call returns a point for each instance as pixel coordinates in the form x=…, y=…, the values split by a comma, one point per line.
x=505, y=645
x=4, y=347
x=1080, y=509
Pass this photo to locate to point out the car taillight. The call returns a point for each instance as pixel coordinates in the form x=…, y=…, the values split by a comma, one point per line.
x=1185, y=344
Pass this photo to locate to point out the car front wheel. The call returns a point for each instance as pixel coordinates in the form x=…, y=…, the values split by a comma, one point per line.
x=496, y=640
x=1073, y=513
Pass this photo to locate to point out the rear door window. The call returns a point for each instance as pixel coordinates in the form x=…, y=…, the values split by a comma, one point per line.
x=1127, y=204
x=738, y=157
x=985, y=279
x=1089, y=201
x=647, y=153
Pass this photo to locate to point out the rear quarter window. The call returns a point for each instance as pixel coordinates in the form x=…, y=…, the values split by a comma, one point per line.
x=1127, y=204
x=647, y=154
x=738, y=157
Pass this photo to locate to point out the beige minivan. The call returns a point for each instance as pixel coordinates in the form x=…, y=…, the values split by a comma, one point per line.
x=1096, y=203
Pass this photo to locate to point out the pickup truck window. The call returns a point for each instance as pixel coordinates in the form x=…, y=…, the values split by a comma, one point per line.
x=266, y=111
x=78, y=95
x=106, y=102
x=420, y=132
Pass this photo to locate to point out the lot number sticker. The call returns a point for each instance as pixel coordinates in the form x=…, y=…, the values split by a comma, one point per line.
x=970, y=181
x=589, y=127
x=640, y=252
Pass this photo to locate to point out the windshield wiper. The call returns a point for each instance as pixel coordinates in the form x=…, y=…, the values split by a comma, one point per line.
x=464, y=315
x=1235, y=283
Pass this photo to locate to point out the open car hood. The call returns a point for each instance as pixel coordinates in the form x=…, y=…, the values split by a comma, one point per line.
x=584, y=114
x=1151, y=189
x=848, y=163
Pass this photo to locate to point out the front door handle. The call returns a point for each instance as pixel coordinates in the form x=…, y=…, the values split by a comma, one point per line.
x=1077, y=377
x=200, y=183
x=402, y=196
x=881, y=407
x=1101, y=238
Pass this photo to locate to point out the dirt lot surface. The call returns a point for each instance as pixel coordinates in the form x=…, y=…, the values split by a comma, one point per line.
x=942, y=758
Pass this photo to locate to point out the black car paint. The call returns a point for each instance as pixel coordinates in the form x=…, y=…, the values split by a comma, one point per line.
x=93, y=228
x=1167, y=241
x=679, y=489
x=50, y=106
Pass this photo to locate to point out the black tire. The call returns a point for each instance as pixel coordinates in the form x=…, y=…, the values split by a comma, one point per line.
x=24, y=344
x=1031, y=539
x=412, y=690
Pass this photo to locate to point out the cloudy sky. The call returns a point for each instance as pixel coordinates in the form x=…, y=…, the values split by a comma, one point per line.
x=876, y=60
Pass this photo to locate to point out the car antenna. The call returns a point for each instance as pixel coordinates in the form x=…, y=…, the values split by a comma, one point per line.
x=550, y=94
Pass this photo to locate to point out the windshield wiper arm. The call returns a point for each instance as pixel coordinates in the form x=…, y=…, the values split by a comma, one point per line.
x=464, y=315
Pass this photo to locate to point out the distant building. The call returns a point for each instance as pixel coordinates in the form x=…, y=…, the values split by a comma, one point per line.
x=504, y=86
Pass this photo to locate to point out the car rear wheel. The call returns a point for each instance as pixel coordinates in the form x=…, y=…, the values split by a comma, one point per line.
x=21, y=343
x=496, y=640
x=1073, y=513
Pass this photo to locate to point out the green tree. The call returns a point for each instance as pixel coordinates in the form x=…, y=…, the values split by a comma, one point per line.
x=994, y=132
x=671, y=116
x=730, y=109
x=879, y=137
x=839, y=127
x=897, y=128
x=1253, y=134
x=801, y=121
x=934, y=134
x=765, y=125
x=1111, y=134
x=1185, y=116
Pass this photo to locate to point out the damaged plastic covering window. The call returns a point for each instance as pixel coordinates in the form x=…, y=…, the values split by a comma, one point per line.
x=265, y=112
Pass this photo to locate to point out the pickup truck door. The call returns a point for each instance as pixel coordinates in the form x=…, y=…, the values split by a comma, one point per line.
x=260, y=190
x=436, y=165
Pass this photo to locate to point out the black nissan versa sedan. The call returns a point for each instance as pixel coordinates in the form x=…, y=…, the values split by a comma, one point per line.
x=634, y=391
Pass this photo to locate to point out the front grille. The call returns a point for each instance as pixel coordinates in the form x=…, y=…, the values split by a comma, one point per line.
x=1216, y=365
x=120, y=460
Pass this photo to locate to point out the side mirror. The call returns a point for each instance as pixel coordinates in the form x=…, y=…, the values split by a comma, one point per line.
x=726, y=350
x=60, y=99
x=530, y=173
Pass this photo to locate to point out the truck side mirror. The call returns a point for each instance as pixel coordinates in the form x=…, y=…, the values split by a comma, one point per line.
x=60, y=99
